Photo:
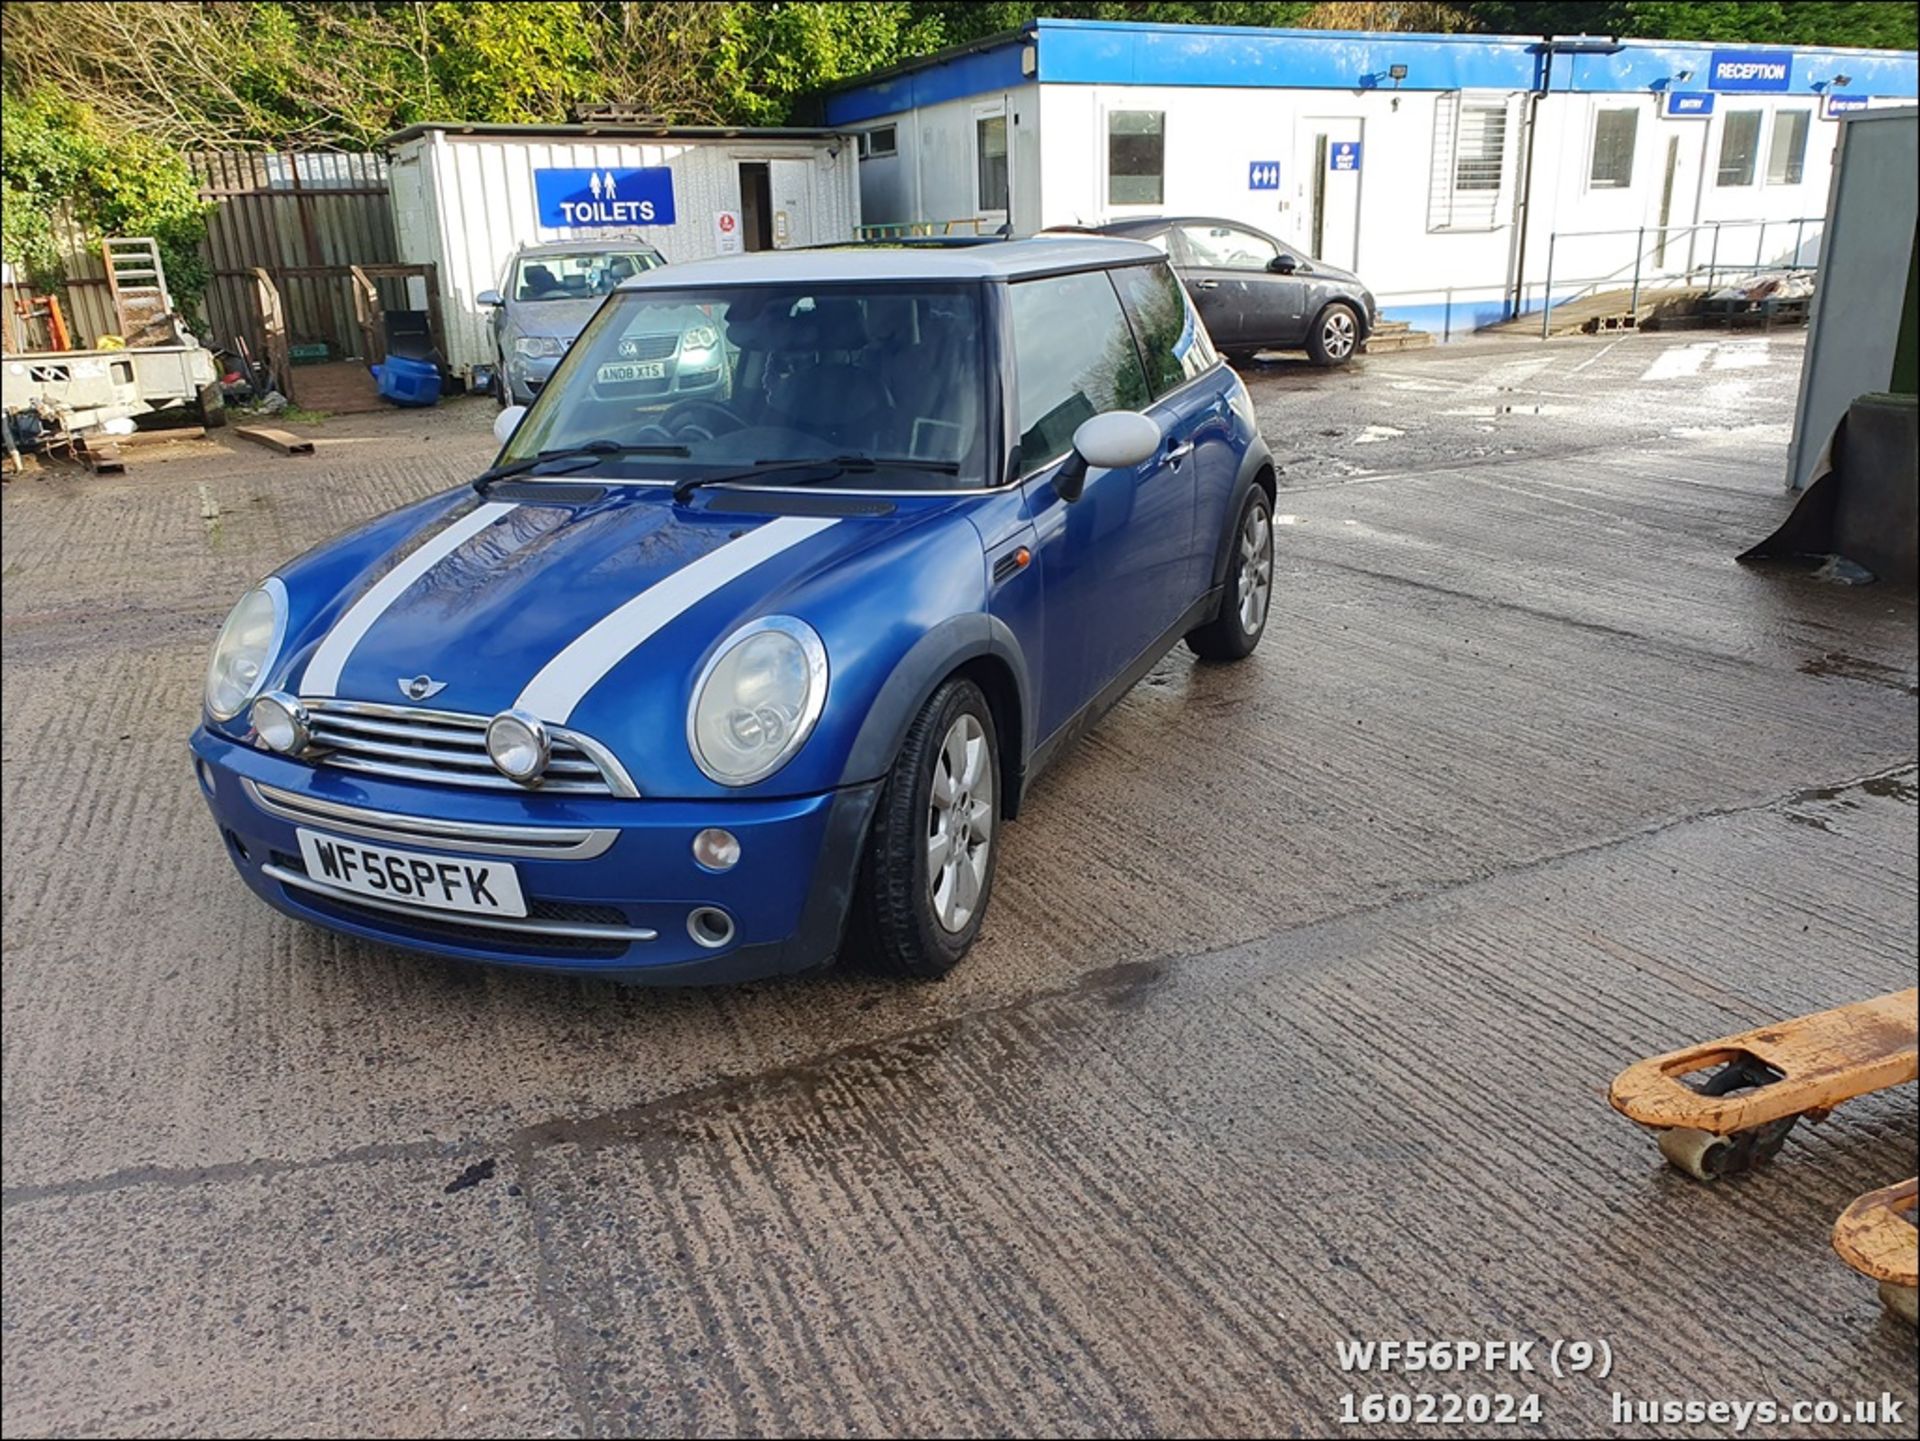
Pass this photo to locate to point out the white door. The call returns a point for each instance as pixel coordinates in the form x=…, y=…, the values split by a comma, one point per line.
x=1333, y=157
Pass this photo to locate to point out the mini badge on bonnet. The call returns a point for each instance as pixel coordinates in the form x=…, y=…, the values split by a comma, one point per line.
x=421, y=687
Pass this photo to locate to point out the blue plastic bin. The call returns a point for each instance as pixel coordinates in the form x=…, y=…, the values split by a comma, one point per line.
x=408, y=382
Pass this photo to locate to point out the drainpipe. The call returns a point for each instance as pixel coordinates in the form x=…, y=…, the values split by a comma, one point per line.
x=1523, y=208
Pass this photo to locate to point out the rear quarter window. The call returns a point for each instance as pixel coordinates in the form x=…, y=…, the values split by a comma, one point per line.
x=1073, y=357
x=1173, y=343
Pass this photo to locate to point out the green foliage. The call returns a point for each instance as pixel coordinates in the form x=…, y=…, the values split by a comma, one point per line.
x=767, y=56
x=55, y=154
x=1796, y=22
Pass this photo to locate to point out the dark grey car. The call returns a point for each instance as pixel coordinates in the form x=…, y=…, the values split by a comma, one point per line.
x=549, y=293
x=1256, y=293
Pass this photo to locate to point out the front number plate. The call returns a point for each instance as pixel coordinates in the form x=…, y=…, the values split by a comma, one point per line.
x=633, y=370
x=444, y=883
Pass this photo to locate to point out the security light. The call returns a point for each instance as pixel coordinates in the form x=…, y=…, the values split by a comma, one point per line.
x=1396, y=73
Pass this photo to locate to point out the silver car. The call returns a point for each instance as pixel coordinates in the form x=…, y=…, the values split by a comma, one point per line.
x=547, y=295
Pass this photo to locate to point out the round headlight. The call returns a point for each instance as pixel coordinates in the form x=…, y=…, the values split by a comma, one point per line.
x=757, y=700
x=247, y=646
x=281, y=723
x=518, y=745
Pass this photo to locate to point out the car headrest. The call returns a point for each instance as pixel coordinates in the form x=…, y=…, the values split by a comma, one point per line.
x=829, y=325
x=832, y=393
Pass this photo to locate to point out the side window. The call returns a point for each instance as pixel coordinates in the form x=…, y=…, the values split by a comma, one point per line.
x=1481, y=157
x=1469, y=163
x=1136, y=157
x=1739, y=141
x=1172, y=342
x=1074, y=357
x=1787, y=156
x=990, y=141
x=1613, y=137
x=1227, y=247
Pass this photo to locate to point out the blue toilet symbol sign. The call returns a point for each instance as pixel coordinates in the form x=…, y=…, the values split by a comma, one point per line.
x=1344, y=155
x=1263, y=175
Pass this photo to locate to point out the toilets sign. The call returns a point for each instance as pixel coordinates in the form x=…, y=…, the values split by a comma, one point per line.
x=573, y=199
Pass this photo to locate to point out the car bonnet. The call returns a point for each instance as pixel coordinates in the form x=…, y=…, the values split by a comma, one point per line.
x=535, y=603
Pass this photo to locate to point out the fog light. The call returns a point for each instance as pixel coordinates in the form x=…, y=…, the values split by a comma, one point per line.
x=716, y=850
x=281, y=723
x=518, y=745
x=710, y=927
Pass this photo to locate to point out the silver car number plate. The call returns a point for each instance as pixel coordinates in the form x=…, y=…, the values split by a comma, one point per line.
x=414, y=878
x=632, y=370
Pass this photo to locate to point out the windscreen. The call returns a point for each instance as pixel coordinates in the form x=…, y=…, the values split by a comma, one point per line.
x=578, y=277
x=757, y=375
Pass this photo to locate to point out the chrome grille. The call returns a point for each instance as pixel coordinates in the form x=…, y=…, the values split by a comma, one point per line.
x=647, y=347
x=405, y=743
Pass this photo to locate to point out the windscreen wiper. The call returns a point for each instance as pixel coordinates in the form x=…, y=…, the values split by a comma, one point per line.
x=832, y=465
x=589, y=454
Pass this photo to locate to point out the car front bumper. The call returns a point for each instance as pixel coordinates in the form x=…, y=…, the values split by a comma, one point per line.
x=787, y=896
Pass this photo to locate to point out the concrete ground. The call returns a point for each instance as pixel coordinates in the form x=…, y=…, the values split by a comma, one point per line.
x=1292, y=1023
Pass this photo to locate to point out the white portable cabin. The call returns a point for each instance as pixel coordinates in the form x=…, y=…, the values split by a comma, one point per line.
x=465, y=197
x=1464, y=177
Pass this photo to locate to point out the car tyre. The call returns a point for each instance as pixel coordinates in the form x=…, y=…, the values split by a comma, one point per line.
x=1236, y=630
x=1336, y=335
x=927, y=872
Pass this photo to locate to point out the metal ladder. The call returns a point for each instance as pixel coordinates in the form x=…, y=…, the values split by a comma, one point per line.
x=137, y=282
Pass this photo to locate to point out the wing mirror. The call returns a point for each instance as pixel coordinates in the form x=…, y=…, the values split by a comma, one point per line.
x=1117, y=440
x=489, y=297
x=1283, y=265
x=507, y=422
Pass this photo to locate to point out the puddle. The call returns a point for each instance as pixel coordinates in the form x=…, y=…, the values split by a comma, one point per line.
x=1510, y=407
x=1837, y=665
x=1818, y=807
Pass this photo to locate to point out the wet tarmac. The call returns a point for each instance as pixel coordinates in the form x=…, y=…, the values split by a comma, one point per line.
x=1291, y=1026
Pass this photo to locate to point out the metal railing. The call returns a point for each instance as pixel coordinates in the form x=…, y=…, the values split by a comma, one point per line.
x=920, y=229
x=1685, y=276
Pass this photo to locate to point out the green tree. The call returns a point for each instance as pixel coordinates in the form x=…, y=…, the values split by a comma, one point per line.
x=55, y=156
x=963, y=20
x=1798, y=22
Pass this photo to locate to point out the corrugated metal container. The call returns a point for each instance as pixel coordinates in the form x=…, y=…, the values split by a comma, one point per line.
x=463, y=198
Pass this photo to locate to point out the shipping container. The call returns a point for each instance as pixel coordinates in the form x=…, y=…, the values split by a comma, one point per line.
x=466, y=197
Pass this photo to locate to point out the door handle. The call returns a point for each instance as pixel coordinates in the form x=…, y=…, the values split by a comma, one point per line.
x=1178, y=453
x=1206, y=285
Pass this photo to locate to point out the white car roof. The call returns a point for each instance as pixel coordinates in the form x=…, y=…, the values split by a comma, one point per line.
x=993, y=260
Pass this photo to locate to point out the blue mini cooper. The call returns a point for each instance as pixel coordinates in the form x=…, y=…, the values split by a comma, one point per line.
x=723, y=687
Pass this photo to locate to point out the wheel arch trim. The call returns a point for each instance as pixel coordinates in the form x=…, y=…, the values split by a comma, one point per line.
x=976, y=642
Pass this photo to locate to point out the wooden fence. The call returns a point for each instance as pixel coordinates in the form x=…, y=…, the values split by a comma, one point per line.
x=306, y=218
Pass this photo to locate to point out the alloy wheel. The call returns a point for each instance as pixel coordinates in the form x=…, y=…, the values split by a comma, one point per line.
x=1256, y=569
x=959, y=823
x=1337, y=334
